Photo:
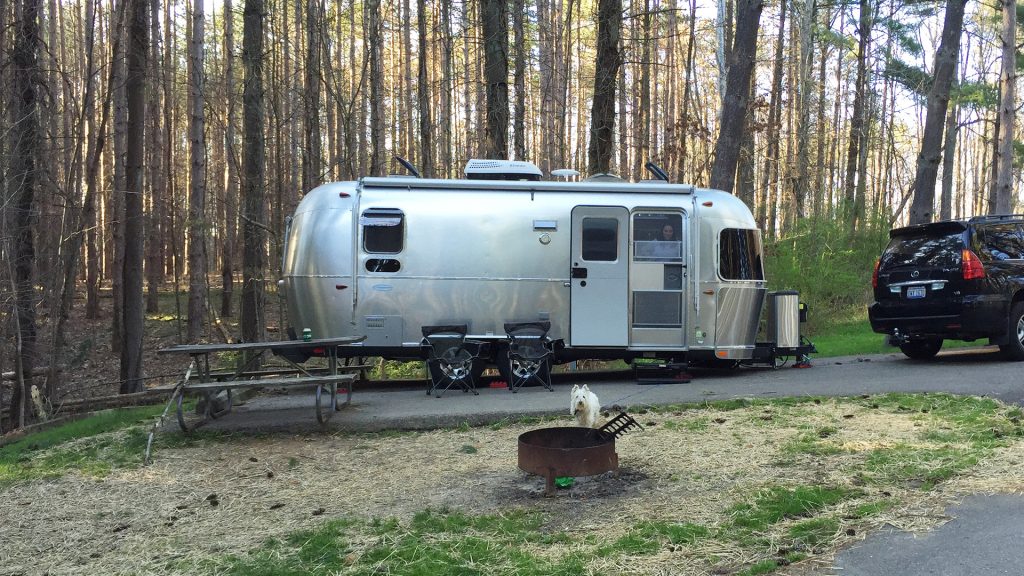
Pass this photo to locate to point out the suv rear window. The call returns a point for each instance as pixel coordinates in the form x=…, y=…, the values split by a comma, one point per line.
x=940, y=251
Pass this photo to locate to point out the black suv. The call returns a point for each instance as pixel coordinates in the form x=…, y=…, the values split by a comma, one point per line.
x=959, y=279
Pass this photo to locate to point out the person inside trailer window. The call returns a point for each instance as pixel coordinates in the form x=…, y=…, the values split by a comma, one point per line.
x=667, y=245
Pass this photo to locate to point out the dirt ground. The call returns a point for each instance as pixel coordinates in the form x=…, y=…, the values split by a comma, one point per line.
x=91, y=369
x=226, y=497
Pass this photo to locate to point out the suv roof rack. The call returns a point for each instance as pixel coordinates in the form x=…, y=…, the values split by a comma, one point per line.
x=996, y=217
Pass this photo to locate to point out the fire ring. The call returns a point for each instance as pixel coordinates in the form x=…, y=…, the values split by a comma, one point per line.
x=566, y=451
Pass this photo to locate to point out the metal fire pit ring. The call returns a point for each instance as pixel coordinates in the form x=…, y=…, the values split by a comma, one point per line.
x=566, y=451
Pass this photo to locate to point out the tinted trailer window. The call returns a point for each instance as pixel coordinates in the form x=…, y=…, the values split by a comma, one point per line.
x=739, y=255
x=383, y=230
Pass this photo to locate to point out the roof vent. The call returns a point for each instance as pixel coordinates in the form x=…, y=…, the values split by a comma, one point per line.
x=478, y=169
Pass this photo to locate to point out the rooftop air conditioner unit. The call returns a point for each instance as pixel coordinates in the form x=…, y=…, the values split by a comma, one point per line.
x=478, y=169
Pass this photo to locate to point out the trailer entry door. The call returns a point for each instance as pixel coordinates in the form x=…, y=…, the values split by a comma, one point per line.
x=599, y=297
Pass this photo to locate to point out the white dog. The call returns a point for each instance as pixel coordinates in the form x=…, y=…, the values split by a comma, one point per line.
x=584, y=405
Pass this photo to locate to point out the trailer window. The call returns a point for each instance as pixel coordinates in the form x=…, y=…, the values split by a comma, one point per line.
x=739, y=255
x=600, y=239
x=657, y=237
x=383, y=230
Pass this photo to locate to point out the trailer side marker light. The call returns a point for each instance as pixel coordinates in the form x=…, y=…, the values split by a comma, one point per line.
x=709, y=292
x=343, y=194
x=721, y=353
x=340, y=286
x=709, y=204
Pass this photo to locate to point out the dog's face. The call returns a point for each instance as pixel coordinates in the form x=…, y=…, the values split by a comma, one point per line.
x=579, y=398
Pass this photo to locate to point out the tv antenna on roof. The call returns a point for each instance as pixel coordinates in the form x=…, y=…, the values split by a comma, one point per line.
x=408, y=166
x=656, y=170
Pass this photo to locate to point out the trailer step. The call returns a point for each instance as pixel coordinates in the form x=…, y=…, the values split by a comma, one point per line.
x=662, y=373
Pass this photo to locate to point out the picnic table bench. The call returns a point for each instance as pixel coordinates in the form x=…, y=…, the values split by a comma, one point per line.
x=214, y=383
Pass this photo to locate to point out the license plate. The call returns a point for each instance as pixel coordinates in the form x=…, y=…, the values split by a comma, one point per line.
x=915, y=292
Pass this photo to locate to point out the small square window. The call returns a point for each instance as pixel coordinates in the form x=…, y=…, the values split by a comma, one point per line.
x=383, y=230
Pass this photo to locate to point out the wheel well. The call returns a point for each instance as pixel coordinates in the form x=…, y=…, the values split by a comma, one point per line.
x=1018, y=296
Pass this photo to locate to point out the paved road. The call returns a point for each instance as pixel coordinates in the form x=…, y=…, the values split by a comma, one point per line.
x=977, y=371
x=983, y=538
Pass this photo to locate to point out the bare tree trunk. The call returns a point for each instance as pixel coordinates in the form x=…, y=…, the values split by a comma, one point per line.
x=858, y=125
x=1007, y=105
x=311, y=165
x=988, y=201
x=642, y=128
x=938, y=98
x=602, y=114
x=948, y=156
x=444, y=159
x=25, y=181
x=409, y=96
x=95, y=157
x=134, y=238
x=734, y=108
x=116, y=215
x=623, y=113
x=803, y=116
x=231, y=194
x=197, y=225
x=773, y=130
x=374, y=48
x=467, y=106
x=820, y=159
x=423, y=95
x=158, y=190
x=671, y=84
x=253, y=178
x=560, y=64
x=495, y=31
x=520, y=49
x=686, y=115
x=746, y=183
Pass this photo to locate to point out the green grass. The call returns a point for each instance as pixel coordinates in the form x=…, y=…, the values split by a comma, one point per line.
x=777, y=503
x=855, y=337
x=434, y=542
x=93, y=445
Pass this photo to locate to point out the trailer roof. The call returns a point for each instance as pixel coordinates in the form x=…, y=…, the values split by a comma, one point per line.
x=406, y=183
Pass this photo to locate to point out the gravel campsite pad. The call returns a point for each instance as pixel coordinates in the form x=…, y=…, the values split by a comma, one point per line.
x=220, y=498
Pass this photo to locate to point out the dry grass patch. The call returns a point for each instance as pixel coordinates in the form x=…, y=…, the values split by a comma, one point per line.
x=700, y=489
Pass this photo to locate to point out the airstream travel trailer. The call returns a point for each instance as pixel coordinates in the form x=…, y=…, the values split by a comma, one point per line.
x=614, y=269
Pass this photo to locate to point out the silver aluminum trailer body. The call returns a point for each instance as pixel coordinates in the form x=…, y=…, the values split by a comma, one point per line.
x=383, y=257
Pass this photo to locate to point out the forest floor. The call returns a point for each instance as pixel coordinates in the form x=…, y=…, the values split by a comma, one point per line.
x=91, y=369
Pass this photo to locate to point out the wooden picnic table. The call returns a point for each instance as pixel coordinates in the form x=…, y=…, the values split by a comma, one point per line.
x=212, y=383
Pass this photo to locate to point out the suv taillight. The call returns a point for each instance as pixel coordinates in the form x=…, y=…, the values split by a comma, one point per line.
x=874, y=275
x=971, y=266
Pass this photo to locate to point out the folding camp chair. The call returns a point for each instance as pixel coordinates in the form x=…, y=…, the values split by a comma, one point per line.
x=449, y=362
x=529, y=354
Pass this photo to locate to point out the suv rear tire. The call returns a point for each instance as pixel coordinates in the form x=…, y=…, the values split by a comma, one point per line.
x=921, y=349
x=1014, y=349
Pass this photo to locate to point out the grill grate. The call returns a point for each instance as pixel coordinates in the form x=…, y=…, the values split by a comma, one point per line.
x=618, y=426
